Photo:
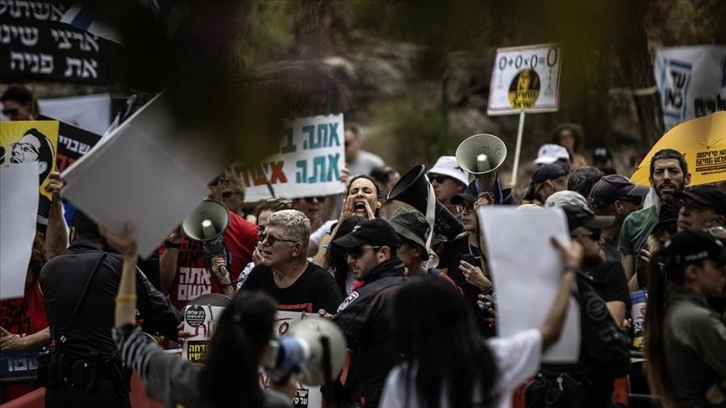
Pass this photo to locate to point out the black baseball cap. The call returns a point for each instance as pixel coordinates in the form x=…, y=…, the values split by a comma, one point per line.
x=579, y=216
x=706, y=195
x=372, y=232
x=614, y=187
x=544, y=172
x=691, y=246
x=601, y=155
x=463, y=197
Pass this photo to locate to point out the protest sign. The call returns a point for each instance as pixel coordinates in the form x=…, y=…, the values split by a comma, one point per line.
x=36, y=45
x=148, y=171
x=525, y=78
x=528, y=285
x=18, y=365
x=18, y=209
x=200, y=321
x=308, y=163
x=73, y=142
x=306, y=396
x=88, y=112
x=691, y=81
x=37, y=141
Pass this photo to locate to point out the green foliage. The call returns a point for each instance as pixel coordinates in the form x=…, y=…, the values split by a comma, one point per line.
x=410, y=130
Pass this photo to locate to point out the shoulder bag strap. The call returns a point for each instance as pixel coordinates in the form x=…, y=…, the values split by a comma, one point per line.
x=83, y=293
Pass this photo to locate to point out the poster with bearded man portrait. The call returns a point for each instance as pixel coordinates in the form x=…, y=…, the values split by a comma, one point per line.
x=31, y=141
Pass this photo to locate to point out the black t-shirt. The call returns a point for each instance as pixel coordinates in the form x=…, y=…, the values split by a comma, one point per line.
x=63, y=280
x=450, y=253
x=315, y=289
x=610, y=282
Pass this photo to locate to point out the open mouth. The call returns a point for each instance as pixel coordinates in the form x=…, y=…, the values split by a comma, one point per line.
x=359, y=206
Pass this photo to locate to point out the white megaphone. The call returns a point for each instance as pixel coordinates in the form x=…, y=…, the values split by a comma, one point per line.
x=207, y=224
x=481, y=154
x=314, y=345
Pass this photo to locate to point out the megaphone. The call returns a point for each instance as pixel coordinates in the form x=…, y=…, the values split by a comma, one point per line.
x=314, y=345
x=207, y=223
x=481, y=154
x=413, y=189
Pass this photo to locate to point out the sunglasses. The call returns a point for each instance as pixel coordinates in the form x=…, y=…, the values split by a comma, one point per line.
x=464, y=207
x=271, y=239
x=10, y=112
x=357, y=252
x=217, y=180
x=632, y=200
x=593, y=235
x=311, y=200
x=439, y=178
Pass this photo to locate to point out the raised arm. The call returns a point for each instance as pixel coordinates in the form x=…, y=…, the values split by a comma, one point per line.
x=551, y=328
x=126, y=299
x=56, y=236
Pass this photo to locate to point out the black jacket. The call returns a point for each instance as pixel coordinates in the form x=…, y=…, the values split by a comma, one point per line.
x=365, y=317
x=62, y=280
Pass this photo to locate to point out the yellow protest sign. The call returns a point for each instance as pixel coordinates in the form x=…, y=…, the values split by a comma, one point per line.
x=31, y=141
x=702, y=142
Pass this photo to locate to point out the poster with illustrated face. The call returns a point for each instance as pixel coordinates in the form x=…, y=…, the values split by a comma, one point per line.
x=31, y=141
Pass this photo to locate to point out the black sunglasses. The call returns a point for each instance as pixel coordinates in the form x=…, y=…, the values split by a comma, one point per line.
x=311, y=200
x=438, y=178
x=10, y=112
x=593, y=235
x=464, y=207
x=271, y=239
x=357, y=252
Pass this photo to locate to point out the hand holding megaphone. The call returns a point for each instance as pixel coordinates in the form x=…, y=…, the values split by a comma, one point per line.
x=219, y=268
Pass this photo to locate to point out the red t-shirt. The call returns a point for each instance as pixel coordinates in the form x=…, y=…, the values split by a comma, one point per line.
x=25, y=315
x=193, y=279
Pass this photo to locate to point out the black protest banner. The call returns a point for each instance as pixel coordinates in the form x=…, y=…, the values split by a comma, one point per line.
x=35, y=45
x=73, y=142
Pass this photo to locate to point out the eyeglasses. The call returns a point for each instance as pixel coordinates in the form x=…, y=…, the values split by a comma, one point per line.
x=26, y=147
x=357, y=252
x=717, y=232
x=311, y=200
x=593, y=235
x=464, y=207
x=439, y=178
x=271, y=239
x=10, y=112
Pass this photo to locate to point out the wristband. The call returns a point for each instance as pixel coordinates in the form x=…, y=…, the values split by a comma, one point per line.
x=173, y=245
x=126, y=297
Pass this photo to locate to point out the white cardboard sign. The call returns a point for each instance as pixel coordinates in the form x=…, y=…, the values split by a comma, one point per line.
x=525, y=79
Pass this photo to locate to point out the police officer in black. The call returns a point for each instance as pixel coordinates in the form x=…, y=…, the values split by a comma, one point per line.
x=82, y=368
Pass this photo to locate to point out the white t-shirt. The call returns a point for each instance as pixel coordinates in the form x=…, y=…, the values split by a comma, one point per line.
x=517, y=357
x=320, y=232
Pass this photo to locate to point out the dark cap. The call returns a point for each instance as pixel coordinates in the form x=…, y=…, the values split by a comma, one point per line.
x=706, y=195
x=613, y=187
x=371, y=232
x=692, y=246
x=463, y=197
x=412, y=225
x=579, y=216
x=544, y=172
x=601, y=155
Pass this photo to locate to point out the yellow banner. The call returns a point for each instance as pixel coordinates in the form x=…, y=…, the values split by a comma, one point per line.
x=29, y=141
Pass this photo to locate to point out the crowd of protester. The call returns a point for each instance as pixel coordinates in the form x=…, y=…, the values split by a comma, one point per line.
x=418, y=310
